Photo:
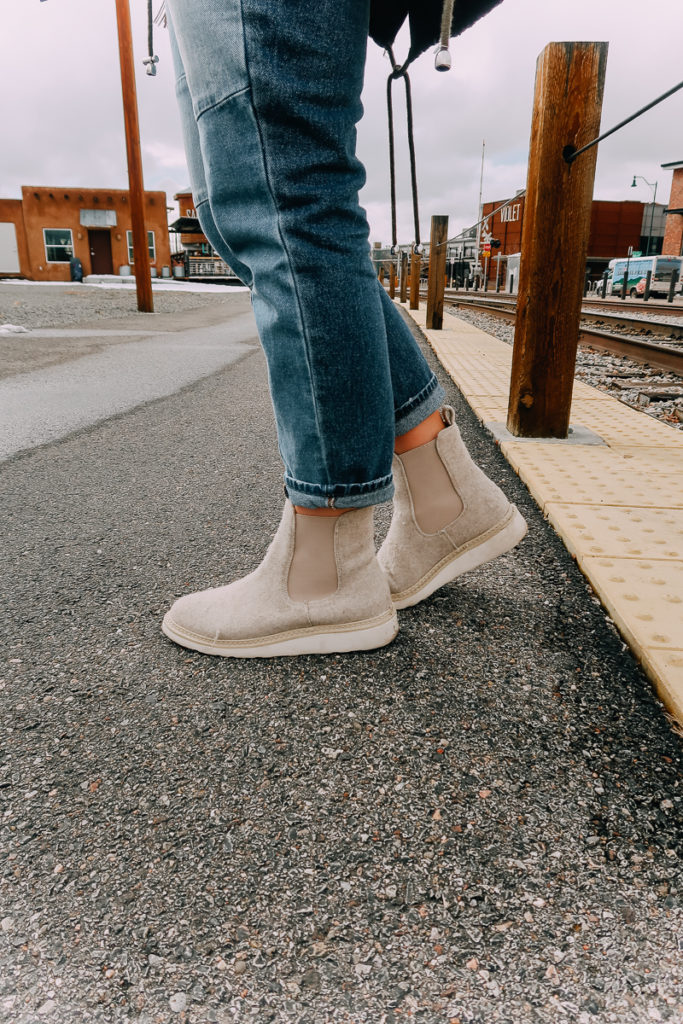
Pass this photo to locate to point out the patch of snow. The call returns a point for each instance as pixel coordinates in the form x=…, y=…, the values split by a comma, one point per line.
x=12, y=329
x=158, y=284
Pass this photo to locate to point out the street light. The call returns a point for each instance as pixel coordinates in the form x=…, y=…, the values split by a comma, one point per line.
x=652, y=184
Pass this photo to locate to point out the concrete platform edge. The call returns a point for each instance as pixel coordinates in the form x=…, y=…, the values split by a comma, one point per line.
x=485, y=390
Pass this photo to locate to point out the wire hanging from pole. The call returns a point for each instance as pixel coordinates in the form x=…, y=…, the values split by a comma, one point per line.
x=401, y=71
x=570, y=154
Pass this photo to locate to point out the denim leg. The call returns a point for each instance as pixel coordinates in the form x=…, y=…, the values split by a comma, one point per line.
x=275, y=93
x=200, y=192
x=417, y=392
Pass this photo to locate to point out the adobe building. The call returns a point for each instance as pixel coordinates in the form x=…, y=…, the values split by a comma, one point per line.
x=614, y=227
x=40, y=232
x=673, y=236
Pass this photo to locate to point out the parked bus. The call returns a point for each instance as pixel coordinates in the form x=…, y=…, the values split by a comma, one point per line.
x=662, y=267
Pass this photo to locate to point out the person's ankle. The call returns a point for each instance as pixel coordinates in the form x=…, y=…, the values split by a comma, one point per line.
x=423, y=433
x=300, y=510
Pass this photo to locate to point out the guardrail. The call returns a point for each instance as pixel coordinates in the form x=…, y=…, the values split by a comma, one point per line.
x=207, y=266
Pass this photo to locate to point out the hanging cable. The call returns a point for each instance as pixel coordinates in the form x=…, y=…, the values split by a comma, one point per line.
x=401, y=71
x=570, y=154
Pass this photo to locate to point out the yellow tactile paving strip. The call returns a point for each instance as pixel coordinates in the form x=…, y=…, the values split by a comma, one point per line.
x=618, y=506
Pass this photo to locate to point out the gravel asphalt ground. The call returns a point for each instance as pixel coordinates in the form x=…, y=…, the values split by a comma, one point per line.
x=480, y=823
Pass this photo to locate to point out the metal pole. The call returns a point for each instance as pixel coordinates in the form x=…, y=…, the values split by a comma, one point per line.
x=143, y=276
x=652, y=214
x=480, y=215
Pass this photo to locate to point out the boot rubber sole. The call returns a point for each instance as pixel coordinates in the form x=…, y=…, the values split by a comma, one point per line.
x=509, y=533
x=329, y=639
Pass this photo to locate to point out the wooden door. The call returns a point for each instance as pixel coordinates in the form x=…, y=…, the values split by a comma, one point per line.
x=99, y=240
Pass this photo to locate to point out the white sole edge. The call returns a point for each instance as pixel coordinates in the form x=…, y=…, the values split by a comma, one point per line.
x=505, y=540
x=305, y=642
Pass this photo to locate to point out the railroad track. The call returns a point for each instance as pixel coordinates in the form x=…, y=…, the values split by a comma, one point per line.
x=655, y=354
x=616, y=306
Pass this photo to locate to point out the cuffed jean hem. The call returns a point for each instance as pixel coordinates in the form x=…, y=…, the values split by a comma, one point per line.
x=374, y=492
x=428, y=400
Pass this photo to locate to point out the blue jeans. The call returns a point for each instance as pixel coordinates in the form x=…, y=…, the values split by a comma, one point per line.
x=269, y=94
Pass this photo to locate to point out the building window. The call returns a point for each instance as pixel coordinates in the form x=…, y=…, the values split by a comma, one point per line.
x=150, y=246
x=59, y=246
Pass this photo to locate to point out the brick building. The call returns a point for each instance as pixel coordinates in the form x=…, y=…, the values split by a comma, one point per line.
x=614, y=227
x=673, y=236
x=40, y=232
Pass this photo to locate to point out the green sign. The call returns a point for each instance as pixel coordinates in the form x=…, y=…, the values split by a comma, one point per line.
x=636, y=252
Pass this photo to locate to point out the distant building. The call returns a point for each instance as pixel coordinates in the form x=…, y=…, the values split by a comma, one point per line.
x=673, y=237
x=186, y=228
x=191, y=248
x=40, y=232
x=614, y=227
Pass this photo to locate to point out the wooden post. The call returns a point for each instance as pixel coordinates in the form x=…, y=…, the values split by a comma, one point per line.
x=392, y=280
x=648, y=284
x=403, y=296
x=143, y=275
x=415, y=267
x=672, y=286
x=380, y=274
x=436, y=279
x=624, y=286
x=570, y=79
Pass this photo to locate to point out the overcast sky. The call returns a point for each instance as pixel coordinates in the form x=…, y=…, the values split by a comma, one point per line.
x=61, y=120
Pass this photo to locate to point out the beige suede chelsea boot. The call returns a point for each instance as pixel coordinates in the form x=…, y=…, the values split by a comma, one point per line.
x=319, y=590
x=448, y=518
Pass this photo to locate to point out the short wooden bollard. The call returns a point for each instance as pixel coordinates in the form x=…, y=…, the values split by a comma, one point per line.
x=672, y=286
x=648, y=285
x=403, y=297
x=624, y=283
x=392, y=281
x=570, y=79
x=436, y=279
x=415, y=268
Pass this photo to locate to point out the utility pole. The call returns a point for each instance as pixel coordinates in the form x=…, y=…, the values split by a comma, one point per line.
x=143, y=276
x=480, y=214
x=652, y=184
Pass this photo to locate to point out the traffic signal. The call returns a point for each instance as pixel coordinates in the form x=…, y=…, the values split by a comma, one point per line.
x=495, y=243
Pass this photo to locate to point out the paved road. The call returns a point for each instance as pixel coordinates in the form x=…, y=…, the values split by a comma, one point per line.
x=480, y=823
x=41, y=405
